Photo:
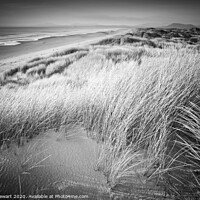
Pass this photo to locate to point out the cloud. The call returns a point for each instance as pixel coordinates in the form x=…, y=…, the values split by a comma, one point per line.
x=113, y=18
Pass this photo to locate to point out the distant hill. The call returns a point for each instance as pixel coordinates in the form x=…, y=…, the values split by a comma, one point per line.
x=180, y=26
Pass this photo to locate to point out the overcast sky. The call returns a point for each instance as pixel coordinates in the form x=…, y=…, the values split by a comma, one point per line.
x=93, y=12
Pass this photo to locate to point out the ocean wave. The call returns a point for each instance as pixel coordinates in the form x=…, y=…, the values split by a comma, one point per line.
x=9, y=43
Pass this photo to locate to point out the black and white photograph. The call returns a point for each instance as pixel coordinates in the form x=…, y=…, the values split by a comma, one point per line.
x=100, y=100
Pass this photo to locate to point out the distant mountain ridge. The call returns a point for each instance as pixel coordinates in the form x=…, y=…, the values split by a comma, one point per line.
x=181, y=26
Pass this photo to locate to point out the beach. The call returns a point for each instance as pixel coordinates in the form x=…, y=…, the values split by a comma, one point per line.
x=10, y=56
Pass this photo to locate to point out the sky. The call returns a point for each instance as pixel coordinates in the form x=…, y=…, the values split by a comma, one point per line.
x=101, y=12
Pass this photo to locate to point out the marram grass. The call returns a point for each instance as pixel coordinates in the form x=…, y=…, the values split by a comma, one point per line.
x=141, y=104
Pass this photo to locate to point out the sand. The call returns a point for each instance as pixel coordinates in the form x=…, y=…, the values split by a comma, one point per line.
x=53, y=163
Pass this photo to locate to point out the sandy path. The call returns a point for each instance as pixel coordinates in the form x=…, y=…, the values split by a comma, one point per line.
x=53, y=163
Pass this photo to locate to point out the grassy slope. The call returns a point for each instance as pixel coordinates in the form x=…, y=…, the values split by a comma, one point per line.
x=141, y=103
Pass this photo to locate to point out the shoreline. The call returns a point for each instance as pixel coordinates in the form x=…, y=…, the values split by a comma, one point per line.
x=43, y=44
x=12, y=40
